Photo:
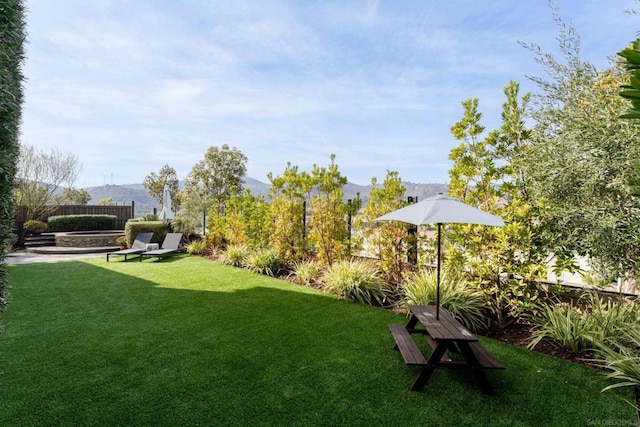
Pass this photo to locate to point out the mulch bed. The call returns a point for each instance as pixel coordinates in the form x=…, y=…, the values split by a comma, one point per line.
x=519, y=335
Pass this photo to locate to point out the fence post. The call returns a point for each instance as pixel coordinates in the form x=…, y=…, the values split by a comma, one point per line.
x=304, y=222
x=349, y=224
x=412, y=233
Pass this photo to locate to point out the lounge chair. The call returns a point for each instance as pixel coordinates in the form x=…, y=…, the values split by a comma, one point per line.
x=170, y=245
x=139, y=246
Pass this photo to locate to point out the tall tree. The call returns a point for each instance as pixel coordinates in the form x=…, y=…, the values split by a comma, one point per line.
x=386, y=240
x=488, y=173
x=154, y=184
x=287, y=196
x=72, y=196
x=581, y=158
x=328, y=231
x=12, y=36
x=248, y=220
x=213, y=179
x=40, y=176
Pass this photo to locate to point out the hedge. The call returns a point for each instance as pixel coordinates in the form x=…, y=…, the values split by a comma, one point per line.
x=133, y=228
x=81, y=222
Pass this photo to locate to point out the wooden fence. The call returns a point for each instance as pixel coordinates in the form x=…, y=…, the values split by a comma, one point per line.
x=123, y=213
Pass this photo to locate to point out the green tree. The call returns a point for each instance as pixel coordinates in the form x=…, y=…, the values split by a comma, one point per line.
x=328, y=230
x=214, y=179
x=385, y=240
x=39, y=177
x=488, y=173
x=154, y=184
x=12, y=37
x=72, y=196
x=581, y=159
x=248, y=220
x=287, y=196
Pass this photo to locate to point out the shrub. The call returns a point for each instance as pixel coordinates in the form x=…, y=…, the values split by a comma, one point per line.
x=82, y=222
x=122, y=241
x=356, y=280
x=621, y=357
x=567, y=325
x=186, y=226
x=457, y=296
x=613, y=316
x=235, y=255
x=198, y=247
x=265, y=261
x=308, y=272
x=34, y=224
x=586, y=325
x=132, y=228
x=12, y=239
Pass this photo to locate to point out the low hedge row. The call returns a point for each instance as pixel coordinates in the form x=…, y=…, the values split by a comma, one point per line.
x=81, y=222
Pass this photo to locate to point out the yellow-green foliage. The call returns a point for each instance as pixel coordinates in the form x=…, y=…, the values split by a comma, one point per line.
x=287, y=212
x=456, y=295
x=198, y=247
x=248, y=220
x=587, y=324
x=308, y=272
x=34, y=224
x=264, y=261
x=488, y=173
x=386, y=239
x=216, y=229
x=235, y=255
x=356, y=280
x=328, y=231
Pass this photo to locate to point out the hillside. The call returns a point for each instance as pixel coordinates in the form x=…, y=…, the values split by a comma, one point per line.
x=125, y=194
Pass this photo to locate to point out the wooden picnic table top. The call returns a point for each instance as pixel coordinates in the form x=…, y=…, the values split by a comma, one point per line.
x=445, y=328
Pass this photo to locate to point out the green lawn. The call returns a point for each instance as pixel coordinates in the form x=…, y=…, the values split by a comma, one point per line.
x=187, y=341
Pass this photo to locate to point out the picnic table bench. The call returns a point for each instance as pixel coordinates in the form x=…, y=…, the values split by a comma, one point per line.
x=446, y=336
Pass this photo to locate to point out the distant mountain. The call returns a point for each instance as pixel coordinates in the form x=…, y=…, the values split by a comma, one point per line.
x=258, y=188
x=144, y=203
x=421, y=191
x=124, y=195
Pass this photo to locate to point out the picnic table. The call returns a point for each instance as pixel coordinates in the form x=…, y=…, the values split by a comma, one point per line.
x=452, y=346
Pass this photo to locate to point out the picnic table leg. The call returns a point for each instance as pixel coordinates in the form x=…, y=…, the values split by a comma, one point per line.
x=413, y=321
x=427, y=370
x=476, y=368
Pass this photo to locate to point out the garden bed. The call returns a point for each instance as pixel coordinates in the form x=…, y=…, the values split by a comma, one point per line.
x=519, y=335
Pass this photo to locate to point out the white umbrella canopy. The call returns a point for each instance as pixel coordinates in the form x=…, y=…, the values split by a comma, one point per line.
x=438, y=210
x=442, y=209
x=166, y=213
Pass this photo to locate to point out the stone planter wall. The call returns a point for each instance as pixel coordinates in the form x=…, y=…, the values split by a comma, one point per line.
x=97, y=240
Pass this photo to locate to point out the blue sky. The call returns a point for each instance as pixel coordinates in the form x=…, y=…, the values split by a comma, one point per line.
x=129, y=86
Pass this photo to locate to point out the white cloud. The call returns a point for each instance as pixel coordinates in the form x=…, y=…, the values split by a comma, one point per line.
x=130, y=86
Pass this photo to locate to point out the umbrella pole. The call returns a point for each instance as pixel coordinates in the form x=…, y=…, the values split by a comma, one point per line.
x=438, y=276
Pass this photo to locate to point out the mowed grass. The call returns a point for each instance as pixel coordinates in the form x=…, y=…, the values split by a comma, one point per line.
x=187, y=341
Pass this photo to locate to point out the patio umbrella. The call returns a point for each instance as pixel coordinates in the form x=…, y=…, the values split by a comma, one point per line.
x=438, y=210
x=166, y=213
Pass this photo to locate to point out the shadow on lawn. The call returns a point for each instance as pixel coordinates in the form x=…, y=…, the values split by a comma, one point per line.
x=192, y=341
